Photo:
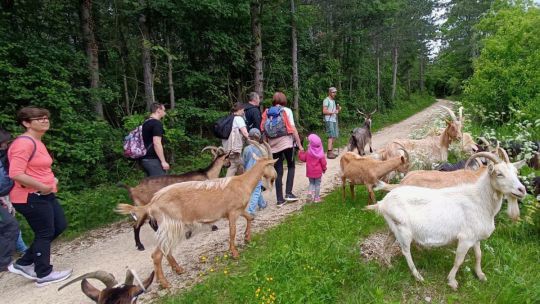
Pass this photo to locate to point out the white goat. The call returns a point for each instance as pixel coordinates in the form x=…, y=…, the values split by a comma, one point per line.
x=464, y=213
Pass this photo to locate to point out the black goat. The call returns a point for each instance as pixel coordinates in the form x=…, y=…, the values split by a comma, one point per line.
x=113, y=293
x=456, y=166
x=515, y=148
x=360, y=137
x=536, y=186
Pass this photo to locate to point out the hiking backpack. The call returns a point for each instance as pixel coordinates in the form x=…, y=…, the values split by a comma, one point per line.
x=6, y=183
x=274, y=125
x=223, y=127
x=134, y=147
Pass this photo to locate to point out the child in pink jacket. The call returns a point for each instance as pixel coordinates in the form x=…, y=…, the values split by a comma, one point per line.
x=315, y=166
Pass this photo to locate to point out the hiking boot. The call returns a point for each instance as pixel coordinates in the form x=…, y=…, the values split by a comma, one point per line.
x=280, y=203
x=330, y=155
x=291, y=197
x=26, y=271
x=54, y=276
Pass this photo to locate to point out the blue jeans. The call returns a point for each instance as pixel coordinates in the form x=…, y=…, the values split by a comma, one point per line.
x=315, y=186
x=256, y=199
x=152, y=166
x=21, y=245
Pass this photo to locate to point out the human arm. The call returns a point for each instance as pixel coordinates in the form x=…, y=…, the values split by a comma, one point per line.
x=323, y=164
x=302, y=156
x=158, y=147
x=244, y=132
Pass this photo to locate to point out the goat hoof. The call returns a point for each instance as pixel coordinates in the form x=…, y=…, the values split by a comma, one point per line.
x=179, y=270
x=453, y=284
x=188, y=234
x=165, y=285
x=235, y=255
x=482, y=277
x=214, y=228
x=140, y=247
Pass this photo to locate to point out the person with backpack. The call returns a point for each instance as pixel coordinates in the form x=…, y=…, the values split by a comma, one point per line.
x=34, y=196
x=9, y=228
x=235, y=142
x=253, y=112
x=6, y=184
x=280, y=132
x=153, y=162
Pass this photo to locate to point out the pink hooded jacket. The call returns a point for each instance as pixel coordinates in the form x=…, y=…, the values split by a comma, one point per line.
x=314, y=157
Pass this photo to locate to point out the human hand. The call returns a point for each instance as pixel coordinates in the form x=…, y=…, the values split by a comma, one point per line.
x=44, y=189
x=165, y=165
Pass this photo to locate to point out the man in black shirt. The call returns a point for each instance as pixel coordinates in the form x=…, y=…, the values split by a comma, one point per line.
x=252, y=112
x=154, y=163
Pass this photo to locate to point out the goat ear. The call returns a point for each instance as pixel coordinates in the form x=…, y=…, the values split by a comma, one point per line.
x=519, y=164
x=491, y=168
x=90, y=291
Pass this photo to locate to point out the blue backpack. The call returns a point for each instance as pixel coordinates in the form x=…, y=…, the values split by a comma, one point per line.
x=275, y=124
x=6, y=183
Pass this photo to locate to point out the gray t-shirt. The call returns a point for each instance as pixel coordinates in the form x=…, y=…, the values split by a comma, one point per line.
x=330, y=104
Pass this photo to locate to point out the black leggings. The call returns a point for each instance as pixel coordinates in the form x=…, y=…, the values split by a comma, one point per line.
x=46, y=218
x=287, y=154
x=9, y=231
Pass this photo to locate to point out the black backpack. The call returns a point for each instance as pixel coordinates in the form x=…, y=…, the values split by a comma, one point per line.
x=223, y=127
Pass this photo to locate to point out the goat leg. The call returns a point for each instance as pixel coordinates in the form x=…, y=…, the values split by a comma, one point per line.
x=136, y=232
x=174, y=265
x=343, y=185
x=478, y=266
x=372, y=199
x=461, y=252
x=232, y=235
x=249, y=218
x=351, y=185
x=157, y=256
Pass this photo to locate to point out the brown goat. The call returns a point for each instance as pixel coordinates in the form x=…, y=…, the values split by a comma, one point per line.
x=365, y=170
x=143, y=192
x=180, y=206
x=113, y=293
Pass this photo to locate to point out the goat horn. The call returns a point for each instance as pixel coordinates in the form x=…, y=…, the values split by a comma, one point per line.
x=404, y=150
x=494, y=158
x=373, y=112
x=268, y=149
x=360, y=112
x=131, y=274
x=103, y=276
x=485, y=141
x=503, y=153
x=452, y=114
x=461, y=114
x=213, y=150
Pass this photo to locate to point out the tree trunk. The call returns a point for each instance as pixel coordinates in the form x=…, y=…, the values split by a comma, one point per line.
x=91, y=48
x=170, y=74
x=146, y=60
x=394, y=71
x=295, y=62
x=408, y=82
x=256, y=11
x=421, y=69
x=378, y=80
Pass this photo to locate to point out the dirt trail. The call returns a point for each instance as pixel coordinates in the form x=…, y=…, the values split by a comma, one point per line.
x=112, y=248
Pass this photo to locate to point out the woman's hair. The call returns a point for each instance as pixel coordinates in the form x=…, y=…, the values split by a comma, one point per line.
x=27, y=113
x=279, y=99
x=237, y=106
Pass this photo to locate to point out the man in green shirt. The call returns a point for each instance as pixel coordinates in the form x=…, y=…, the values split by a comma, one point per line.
x=330, y=111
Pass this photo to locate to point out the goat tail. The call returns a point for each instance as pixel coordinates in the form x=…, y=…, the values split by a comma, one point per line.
x=374, y=207
x=137, y=212
x=384, y=186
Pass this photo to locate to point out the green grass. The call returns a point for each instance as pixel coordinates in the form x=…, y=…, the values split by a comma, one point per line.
x=314, y=257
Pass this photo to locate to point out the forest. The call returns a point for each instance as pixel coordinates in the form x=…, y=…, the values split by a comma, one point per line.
x=98, y=65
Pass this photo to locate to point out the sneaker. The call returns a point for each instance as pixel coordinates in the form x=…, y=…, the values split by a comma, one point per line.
x=280, y=203
x=330, y=155
x=26, y=271
x=291, y=197
x=54, y=276
x=317, y=199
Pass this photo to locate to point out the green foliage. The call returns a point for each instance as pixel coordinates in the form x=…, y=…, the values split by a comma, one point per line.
x=506, y=77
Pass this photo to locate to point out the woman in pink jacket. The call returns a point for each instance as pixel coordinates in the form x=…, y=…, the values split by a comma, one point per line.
x=315, y=166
